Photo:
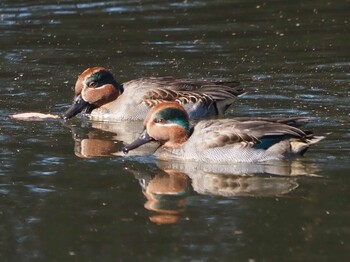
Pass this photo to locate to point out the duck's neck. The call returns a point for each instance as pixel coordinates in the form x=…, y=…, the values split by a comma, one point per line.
x=175, y=143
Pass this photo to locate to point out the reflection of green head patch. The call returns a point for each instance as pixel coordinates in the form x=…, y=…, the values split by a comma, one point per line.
x=174, y=115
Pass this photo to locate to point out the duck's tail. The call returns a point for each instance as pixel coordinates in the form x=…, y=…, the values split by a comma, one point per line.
x=300, y=146
x=295, y=146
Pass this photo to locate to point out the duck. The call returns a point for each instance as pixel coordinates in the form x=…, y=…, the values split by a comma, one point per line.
x=100, y=97
x=220, y=141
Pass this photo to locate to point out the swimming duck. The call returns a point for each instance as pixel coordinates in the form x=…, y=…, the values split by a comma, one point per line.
x=221, y=141
x=103, y=98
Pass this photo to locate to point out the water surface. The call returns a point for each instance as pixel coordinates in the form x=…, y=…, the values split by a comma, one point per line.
x=65, y=195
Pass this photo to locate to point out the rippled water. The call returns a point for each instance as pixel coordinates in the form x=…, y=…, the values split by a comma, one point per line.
x=66, y=195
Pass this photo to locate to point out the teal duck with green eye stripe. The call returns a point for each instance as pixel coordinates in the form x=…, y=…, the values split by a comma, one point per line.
x=101, y=97
x=222, y=141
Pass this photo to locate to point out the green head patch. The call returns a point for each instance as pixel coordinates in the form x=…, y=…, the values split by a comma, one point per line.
x=173, y=115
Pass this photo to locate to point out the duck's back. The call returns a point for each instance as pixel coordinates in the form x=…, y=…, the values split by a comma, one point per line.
x=231, y=141
x=199, y=98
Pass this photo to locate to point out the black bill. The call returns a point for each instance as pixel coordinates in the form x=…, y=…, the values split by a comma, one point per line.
x=144, y=138
x=78, y=105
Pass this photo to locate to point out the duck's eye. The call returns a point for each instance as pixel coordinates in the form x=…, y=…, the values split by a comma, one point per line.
x=92, y=84
x=159, y=120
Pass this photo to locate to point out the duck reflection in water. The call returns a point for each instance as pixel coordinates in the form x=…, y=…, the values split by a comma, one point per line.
x=169, y=187
x=102, y=139
x=166, y=193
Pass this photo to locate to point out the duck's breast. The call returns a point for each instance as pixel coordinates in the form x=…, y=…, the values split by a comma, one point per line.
x=128, y=106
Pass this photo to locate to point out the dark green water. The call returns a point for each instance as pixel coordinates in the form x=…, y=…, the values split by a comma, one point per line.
x=64, y=196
